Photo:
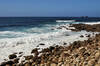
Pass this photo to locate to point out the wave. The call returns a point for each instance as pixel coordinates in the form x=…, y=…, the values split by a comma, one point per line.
x=92, y=23
x=26, y=44
x=30, y=40
x=65, y=20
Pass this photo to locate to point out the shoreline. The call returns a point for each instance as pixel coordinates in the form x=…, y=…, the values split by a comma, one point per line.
x=64, y=55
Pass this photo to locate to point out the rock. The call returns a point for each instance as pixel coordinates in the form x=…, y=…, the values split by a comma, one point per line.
x=21, y=64
x=88, y=35
x=28, y=57
x=91, y=62
x=82, y=49
x=86, y=54
x=20, y=52
x=66, y=54
x=68, y=64
x=3, y=64
x=52, y=29
x=33, y=64
x=65, y=43
x=20, y=55
x=55, y=60
x=41, y=44
x=60, y=59
x=97, y=65
x=31, y=60
x=76, y=55
x=81, y=36
x=27, y=64
x=12, y=56
x=60, y=64
x=7, y=65
x=16, y=60
x=59, y=28
x=53, y=64
x=97, y=55
x=34, y=50
x=51, y=48
x=10, y=63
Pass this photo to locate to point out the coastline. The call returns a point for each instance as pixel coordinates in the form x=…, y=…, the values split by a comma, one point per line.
x=79, y=52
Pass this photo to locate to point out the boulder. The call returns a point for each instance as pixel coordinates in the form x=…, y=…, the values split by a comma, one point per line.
x=12, y=56
x=41, y=44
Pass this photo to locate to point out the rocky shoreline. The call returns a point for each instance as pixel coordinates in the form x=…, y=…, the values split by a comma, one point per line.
x=79, y=53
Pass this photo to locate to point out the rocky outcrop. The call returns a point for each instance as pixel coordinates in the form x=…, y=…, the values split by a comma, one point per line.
x=79, y=27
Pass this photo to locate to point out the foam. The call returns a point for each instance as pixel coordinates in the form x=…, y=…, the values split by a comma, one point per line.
x=26, y=44
x=65, y=21
x=30, y=41
x=92, y=23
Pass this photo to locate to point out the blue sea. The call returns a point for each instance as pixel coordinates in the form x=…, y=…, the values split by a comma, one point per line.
x=22, y=34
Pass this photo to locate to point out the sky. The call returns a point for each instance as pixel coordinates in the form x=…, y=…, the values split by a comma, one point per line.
x=50, y=8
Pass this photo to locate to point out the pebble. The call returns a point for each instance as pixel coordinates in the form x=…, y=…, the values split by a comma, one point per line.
x=97, y=55
x=12, y=56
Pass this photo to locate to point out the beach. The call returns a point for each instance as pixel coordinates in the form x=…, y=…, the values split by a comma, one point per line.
x=84, y=52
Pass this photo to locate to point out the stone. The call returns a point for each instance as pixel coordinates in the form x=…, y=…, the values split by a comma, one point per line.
x=82, y=49
x=28, y=57
x=81, y=36
x=60, y=59
x=68, y=64
x=66, y=54
x=3, y=64
x=97, y=55
x=97, y=65
x=51, y=48
x=41, y=44
x=34, y=50
x=91, y=62
x=88, y=35
x=16, y=60
x=20, y=52
x=65, y=43
x=27, y=64
x=7, y=65
x=55, y=60
x=12, y=56
x=53, y=64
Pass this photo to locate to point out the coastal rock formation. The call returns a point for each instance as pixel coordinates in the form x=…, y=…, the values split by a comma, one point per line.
x=79, y=27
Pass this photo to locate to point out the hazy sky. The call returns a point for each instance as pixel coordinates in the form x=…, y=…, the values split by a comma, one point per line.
x=49, y=7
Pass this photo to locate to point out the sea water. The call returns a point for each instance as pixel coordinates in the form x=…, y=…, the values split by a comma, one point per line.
x=25, y=34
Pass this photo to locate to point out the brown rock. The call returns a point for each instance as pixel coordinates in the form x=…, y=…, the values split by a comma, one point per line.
x=27, y=64
x=3, y=64
x=97, y=55
x=34, y=50
x=55, y=60
x=28, y=57
x=66, y=54
x=16, y=60
x=97, y=65
x=82, y=49
x=7, y=65
x=91, y=62
x=53, y=64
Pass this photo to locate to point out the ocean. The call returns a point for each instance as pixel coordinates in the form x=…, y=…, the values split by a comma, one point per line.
x=22, y=34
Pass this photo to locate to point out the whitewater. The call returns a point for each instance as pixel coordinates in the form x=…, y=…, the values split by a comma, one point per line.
x=24, y=39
